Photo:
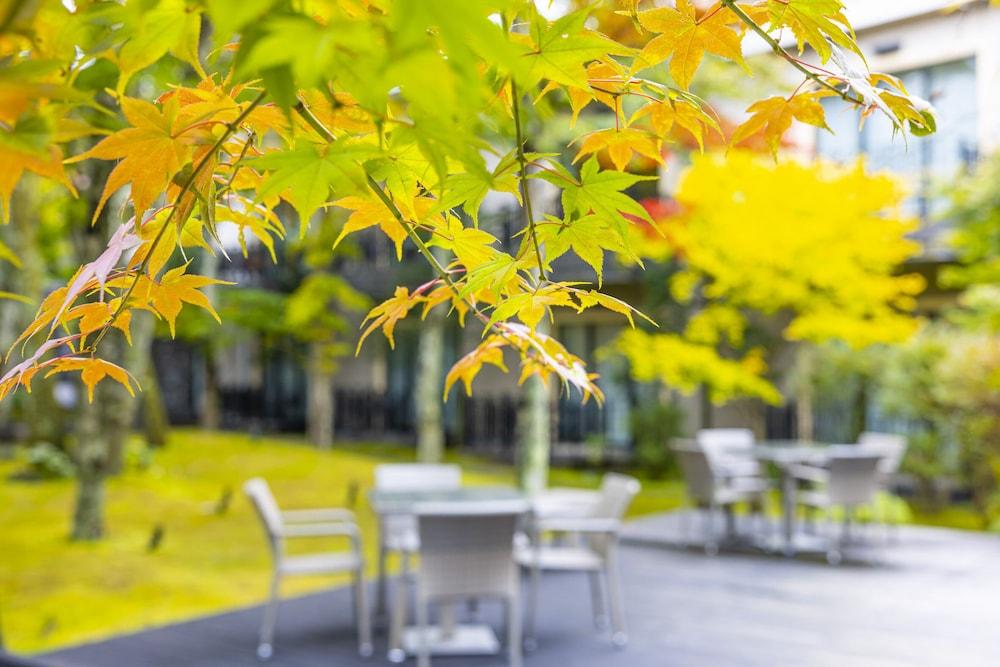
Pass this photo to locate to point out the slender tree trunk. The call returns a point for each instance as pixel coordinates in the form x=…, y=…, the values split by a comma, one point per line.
x=534, y=431
x=211, y=402
x=154, y=412
x=320, y=409
x=804, y=394
x=430, y=426
x=91, y=461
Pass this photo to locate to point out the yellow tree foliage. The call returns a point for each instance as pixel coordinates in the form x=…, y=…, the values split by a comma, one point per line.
x=817, y=246
x=391, y=109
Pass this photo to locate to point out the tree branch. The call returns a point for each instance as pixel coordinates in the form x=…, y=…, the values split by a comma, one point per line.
x=785, y=55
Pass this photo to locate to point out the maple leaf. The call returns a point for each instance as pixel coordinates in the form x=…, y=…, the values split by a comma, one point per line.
x=600, y=193
x=531, y=306
x=25, y=148
x=370, y=212
x=560, y=50
x=150, y=153
x=121, y=241
x=665, y=115
x=588, y=237
x=97, y=315
x=472, y=247
x=388, y=313
x=305, y=174
x=490, y=351
x=684, y=38
x=814, y=22
x=620, y=144
x=169, y=25
x=593, y=298
x=92, y=370
x=168, y=295
x=774, y=116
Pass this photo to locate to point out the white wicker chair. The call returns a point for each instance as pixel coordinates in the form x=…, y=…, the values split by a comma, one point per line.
x=850, y=480
x=729, y=450
x=594, y=551
x=312, y=523
x=707, y=488
x=398, y=534
x=466, y=553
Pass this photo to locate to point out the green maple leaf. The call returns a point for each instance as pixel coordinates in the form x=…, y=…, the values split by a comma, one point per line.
x=560, y=51
x=587, y=237
x=305, y=175
x=600, y=193
x=814, y=22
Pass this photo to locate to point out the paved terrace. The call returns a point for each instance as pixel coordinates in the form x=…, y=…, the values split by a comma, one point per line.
x=934, y=601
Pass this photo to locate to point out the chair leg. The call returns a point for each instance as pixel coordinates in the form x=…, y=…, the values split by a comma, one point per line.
x=265, y=647
x=361, y=617
x=423, y=640
x=530, y=641
x=597, y=600
x=380, y=592
x=514, y=630
x=619, y=636
x=397, y=616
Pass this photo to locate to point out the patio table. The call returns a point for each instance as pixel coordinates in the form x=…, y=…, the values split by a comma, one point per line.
x=785, y=454
x=448, y=638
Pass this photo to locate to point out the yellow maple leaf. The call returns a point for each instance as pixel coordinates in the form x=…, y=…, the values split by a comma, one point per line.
x=92, y=370
x=467, y=368
x=369, y=212
x=774, y=116
x=149, y=153
x=168, y=295
x=620, y=144
x=685, y=38
x=13, y=164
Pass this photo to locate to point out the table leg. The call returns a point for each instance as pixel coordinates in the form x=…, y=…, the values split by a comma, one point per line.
x=397, y=615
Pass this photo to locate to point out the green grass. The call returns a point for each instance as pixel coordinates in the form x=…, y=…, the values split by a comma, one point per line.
x=54, y=592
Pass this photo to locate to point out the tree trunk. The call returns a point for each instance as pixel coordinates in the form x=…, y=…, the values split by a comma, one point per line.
x=430, y=426
x=321, y=406
x=154, y=412
x=804, y=394
x=535, y=436
x=210, y=402
x=210, y=416
x=91, y=454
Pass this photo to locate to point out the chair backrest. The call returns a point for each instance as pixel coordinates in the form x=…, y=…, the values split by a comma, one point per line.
x=617, y=493
x=724, y=445
x=467, y=549
x=892, y=446
x=698, y=472
x=417, y=477
x=729, y=438
x=853, y=477
x=259, y=492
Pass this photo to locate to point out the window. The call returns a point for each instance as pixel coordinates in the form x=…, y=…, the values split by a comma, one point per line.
x=926, y=162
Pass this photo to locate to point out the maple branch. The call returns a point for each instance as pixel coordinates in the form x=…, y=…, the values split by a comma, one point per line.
x=785, y=55
x=523, y=177
x=313, y=122
x=185, y=188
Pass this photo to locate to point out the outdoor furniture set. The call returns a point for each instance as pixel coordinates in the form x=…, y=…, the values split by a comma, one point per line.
x=457, y=545
x=724, y=468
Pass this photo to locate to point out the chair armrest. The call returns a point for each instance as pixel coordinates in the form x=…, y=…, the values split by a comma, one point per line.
x=809, y=473
x=317, y=515
x=348, y=530
x=571, y=525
